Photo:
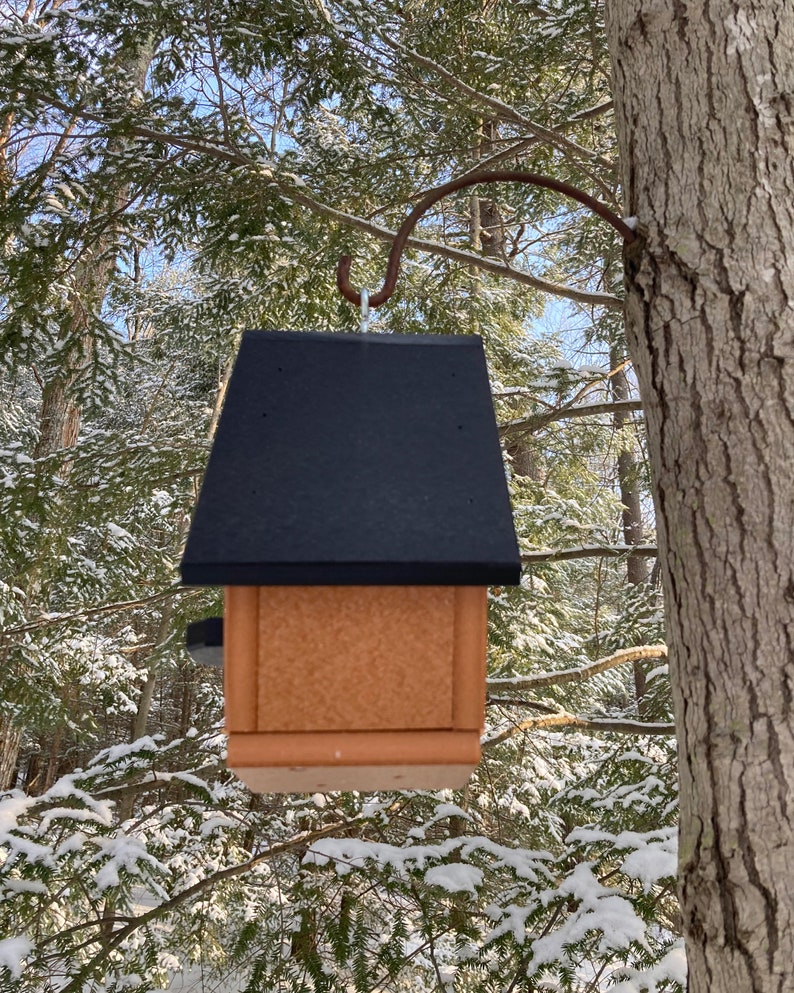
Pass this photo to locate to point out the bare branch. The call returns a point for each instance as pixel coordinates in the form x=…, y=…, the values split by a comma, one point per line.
x=570, y=722
x=580, y=674
x=466, y=258
x=157, y=781
x=219, y=80
x=517, y=701
x=515, y=149
x=588, y=552
x=528, y=425
x=47, y=620
x=597, y=111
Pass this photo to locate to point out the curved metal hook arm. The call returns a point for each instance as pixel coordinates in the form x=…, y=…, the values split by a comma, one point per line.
x=473, y=179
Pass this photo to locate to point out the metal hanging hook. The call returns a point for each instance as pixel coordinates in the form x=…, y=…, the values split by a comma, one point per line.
x=427, y=201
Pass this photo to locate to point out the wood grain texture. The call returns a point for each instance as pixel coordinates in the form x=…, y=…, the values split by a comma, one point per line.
x=355, y=687
x=339, y=748
x=355, y=657
x=470, y=651
x=323, y=778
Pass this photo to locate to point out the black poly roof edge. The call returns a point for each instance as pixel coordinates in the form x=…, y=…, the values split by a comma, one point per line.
x=370, y=338
x=505, y=573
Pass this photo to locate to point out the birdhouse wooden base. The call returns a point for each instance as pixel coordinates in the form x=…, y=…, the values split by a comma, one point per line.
x=354, y=687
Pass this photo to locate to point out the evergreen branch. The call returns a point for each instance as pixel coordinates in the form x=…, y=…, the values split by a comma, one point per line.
x=513, y=151
x=565, y=721
x=507, y=701
x=524, y=144
x=157, y=781
x=602, y=378
x=218, y=151
x=503, y=110
x=542, y=679
x=216, y=69
x=191, y=143
x=537, y=421
x=47, y=620
x=588, y=552
x=597, y=111
x=111, y=942
x=459, y=255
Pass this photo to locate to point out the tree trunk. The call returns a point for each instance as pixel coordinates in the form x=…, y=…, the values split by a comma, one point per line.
x=704, y=100
x=147, y=691
x=10, y=737
x=630, y=497
x=486, y=223
x=60, y=413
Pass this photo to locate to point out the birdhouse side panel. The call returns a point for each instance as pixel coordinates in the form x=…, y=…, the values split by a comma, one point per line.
x=241, y=658
x=470, y=653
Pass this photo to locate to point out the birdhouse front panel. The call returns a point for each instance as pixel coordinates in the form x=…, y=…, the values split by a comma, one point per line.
x=347, y=657
x=345, y=683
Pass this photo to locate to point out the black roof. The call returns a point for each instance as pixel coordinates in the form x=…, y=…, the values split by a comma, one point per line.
x=354, y=459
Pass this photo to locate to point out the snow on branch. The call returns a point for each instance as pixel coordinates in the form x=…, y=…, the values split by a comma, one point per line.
x=562, y=719
x=116, y=937
x=48, y=620
x=158, y=780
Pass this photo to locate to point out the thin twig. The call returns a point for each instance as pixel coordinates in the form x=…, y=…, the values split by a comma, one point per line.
x=292, y=192
x=571, y=722
x=48, y=620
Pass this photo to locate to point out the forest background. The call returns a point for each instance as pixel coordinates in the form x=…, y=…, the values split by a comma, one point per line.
x=171, y=175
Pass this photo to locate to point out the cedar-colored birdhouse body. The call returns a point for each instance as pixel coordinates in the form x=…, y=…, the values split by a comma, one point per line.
x=355, y=509
x=354, y=687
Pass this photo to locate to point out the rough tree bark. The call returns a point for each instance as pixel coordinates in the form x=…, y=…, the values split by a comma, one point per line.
x=704, y=101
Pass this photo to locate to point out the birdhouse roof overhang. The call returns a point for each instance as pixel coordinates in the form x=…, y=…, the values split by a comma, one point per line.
x=354, y=460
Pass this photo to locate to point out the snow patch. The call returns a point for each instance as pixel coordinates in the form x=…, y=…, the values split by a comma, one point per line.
x=455, y=877
x=13, y=952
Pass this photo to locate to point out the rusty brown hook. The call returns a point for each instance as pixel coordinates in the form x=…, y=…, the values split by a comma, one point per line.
x=427, y=201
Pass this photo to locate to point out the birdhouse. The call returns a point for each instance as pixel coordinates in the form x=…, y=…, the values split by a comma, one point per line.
x=355, y=509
